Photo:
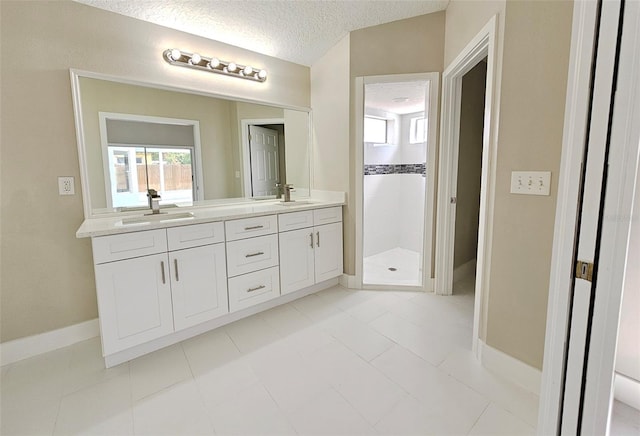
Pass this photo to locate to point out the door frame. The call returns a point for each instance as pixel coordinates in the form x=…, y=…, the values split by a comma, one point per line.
x=245, y=148
x=622, y=185
x=432, y=107
x=484, y=44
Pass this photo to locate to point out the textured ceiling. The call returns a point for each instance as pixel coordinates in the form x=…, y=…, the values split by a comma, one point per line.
x=299, y=31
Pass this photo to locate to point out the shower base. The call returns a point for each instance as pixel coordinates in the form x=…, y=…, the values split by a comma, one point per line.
x=397, y=266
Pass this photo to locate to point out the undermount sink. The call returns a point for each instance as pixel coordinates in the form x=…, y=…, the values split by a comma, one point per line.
x=293, y=202
x=159, y=217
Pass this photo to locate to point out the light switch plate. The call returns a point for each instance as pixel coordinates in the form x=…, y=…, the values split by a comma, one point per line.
x=66, y=186
x=530, y=182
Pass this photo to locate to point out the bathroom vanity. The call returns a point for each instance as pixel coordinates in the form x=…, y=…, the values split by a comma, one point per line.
x=164, y=278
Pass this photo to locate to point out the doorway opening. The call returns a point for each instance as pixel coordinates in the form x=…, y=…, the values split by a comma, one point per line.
x=469, y=179
x=396, y=124
x=479, y=53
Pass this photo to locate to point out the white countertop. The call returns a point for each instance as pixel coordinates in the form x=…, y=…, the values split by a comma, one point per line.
x=112, y=224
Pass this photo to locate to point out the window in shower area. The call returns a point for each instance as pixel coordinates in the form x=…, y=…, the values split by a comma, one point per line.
x=394, y=184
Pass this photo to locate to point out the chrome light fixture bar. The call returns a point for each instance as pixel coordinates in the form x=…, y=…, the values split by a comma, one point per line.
x=213, y=65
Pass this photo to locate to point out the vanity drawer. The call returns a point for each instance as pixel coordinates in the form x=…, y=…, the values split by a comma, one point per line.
x=327, y=215
x=128, y=245
x=253, y=288
x=295, y=220
x=249, y=227
x=248, y=255
x=195, y=235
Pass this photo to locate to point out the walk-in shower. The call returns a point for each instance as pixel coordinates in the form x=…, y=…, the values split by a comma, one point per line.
x=395, y=139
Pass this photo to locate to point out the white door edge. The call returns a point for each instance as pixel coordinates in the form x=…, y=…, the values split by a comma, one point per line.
x=575, y=122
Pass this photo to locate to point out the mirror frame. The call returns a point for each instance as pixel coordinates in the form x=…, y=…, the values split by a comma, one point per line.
x=76, y=74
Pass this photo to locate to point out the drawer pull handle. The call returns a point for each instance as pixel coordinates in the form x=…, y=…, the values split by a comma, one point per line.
x=162, y=269
x=318, y=239
x=256, y=288
x=175, y=263
x=259, y=253
x=254, y=227
x=311, y=239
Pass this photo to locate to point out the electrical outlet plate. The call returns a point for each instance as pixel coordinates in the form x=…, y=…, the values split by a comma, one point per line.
x=66, y=186
x=530, y=182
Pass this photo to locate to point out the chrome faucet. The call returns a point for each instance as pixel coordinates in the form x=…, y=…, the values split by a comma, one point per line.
x=154, y=201
x=287, y=192
x=279, y=190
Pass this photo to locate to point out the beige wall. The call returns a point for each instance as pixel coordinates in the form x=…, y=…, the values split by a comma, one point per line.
x=46, y=275
x=534, y=76
x=533, y=39
x=464, y=19
x=330, y=104
x=414, y=45
x=469, y=165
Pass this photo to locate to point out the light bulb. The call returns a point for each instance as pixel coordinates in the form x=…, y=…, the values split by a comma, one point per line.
x=195, y=59
x=214, y=63
x=175, y=54
x=247, y=70
x=262, y=74
x=232, y=67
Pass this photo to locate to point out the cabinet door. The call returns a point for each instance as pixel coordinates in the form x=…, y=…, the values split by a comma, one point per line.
x=296, y=260
x=134, y=300
x=198, y=285
x=328, y=251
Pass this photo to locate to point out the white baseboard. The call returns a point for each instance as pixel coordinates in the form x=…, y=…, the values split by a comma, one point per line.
x=627, y=391
x=348, y=281
x=464, y=270
x=23, y=348
x=510, y=368
x=430, y=285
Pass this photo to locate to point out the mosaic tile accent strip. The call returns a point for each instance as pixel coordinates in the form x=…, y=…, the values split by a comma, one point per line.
x=380, y=169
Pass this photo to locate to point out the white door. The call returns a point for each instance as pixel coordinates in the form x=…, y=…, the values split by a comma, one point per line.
x=577, y=387
x=263, y=145
x=328, y=251
x=198, y=284
x=296, y=260
x=134, y=298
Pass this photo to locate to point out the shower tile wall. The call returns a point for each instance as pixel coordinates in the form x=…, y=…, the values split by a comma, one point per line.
x=394, y=200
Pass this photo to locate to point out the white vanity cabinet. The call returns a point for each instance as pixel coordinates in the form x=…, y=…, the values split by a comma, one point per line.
x=134, y=294
x=152, y=283
x=310, y=247
x=157, y=286
x=197, y=265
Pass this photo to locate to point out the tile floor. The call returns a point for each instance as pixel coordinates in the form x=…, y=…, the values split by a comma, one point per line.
x=407, y=264
x=334, y=363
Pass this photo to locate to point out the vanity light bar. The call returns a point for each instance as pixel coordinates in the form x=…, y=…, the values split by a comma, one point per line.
x=213, y=65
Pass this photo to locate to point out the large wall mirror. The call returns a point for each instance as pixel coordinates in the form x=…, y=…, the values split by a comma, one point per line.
x=191, y=148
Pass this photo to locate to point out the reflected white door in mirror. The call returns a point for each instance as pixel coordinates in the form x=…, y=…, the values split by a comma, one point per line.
x=160, y=286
